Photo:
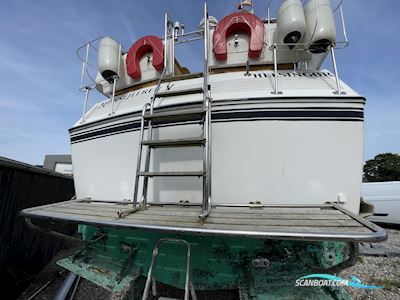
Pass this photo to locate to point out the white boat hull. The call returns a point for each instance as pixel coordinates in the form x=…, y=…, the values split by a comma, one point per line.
x=304, y=150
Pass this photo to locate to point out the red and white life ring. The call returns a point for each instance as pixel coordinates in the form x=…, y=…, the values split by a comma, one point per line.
x=236, y=22
x=146, y=44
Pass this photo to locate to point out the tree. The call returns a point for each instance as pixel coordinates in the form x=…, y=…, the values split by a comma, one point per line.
x=384, y=167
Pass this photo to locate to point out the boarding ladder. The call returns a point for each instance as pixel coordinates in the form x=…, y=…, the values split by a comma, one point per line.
x=189, y=289
x=202, y=114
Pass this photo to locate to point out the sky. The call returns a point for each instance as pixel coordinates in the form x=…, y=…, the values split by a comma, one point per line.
x=40, y=72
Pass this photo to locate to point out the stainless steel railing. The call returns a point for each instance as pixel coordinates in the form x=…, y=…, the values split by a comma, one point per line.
x=306, y=46
x=88, y=80
x=207, y=123
x=171, y=38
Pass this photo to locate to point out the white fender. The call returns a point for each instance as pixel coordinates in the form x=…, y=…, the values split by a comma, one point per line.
x=108, y=58
x=321, y=30
x=291, y=23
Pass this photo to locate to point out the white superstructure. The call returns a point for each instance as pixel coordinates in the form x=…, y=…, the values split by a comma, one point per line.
x=283, y=131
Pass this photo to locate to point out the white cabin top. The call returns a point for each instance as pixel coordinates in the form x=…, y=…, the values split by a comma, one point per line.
x=246, y=57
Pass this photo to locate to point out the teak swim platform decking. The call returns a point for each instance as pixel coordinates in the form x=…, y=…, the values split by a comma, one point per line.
x=295, y=222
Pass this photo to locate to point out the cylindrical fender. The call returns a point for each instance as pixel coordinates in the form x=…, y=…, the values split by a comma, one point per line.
x=147, y=44
x=240, y=21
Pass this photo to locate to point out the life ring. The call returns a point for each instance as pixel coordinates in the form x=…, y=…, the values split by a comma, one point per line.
x=147, y=44
x=240, y=21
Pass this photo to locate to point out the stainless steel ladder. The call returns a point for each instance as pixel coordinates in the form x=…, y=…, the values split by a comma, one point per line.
x=189, y=289
x=203, y=115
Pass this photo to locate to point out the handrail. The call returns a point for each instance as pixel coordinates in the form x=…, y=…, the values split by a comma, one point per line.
x=91, y=44
x=140, y=156
x=276, y=91
x=338, y=87
x=83, y=119
x=85, y=61
x=344, y=30
x=115, y=78
x=87, y=87
x=306, y=46
x=149, y=138
x=302, y=46
x=171, y=35
x=165, y=40
x=141, y=136
x=153, y=262
x=206, y=207
x=206, y=204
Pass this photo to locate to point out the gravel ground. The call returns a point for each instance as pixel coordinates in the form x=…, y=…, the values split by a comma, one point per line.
x=382, y=271
x=56, y=275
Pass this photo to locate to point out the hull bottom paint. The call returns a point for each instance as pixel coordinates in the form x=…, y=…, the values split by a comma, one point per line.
x=254, y=268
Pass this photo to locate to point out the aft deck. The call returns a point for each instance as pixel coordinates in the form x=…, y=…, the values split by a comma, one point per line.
x=294, y=222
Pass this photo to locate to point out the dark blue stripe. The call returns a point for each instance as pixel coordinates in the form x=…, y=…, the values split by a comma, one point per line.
x=284, y=115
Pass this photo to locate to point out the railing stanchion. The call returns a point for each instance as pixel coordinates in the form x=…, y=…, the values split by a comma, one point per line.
x=85, y=104
x=206, y=205
x=165, y=40
x=338, y=87
x=276, y=91
x=269, y=25
x=173, y=51
x=113, y=95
